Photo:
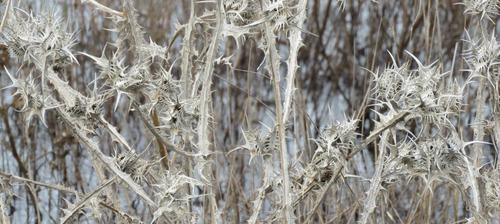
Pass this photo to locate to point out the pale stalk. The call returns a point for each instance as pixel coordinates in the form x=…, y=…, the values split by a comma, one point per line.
x=295, y=44
x=274, y=69
x=205, y=101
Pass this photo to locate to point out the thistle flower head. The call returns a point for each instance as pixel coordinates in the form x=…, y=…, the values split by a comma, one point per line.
x=39, y=39
x=28, y=100
x=132, y=164
x=339, y=134
x=389, y=83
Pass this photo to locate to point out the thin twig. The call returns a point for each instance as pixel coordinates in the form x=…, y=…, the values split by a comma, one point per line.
x=105, y=8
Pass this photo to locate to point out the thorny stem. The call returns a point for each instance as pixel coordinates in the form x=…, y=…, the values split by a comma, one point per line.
x=376, y=180
x=51, y=186
x=156, y=134
x=107, y=161
x=295, y=44
x=206, y=99
x=274, y=69
x=261, y=193
x=80, y=204
x=186, y=50
x=476, y=150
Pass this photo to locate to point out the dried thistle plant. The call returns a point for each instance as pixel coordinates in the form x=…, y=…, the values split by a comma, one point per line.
x=155, y=129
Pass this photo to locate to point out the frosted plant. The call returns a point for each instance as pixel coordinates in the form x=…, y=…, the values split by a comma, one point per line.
x=27, y=101
x=131, y=163
x=341, y=135
x=485, y=8
x=483, y=57
x=184, y=95
x=170, y=197
x=333, y=144
x=41, y=40
x=389, y=84
x=241, y=12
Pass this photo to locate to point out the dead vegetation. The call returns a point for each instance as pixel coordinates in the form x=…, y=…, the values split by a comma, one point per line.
x=250, y=111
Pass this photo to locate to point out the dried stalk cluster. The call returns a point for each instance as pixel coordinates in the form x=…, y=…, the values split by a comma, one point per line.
x=408, y=128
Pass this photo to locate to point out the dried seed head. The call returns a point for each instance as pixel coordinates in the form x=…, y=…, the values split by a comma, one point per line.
x=132, y=164
x=340, y=134
x=41, y=40
x=486, y=8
